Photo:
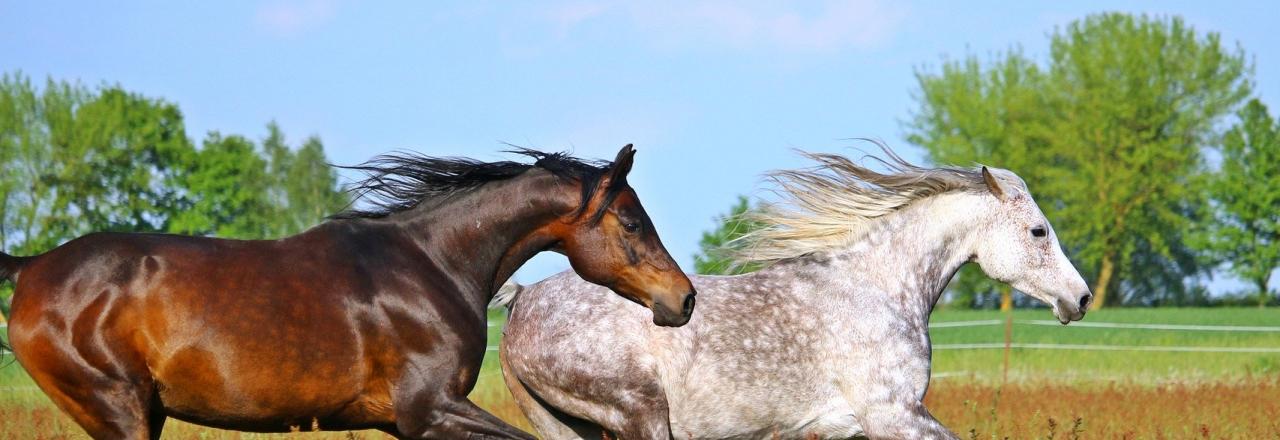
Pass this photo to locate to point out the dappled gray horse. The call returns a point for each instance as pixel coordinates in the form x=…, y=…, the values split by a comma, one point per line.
x=830, y=340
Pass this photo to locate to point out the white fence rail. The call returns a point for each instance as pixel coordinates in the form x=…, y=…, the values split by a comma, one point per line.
x=1104, y=347
x=985, y=322
x=1101, y=347
x=1124, y=325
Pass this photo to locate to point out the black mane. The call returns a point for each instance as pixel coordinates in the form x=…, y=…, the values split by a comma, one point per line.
x=401, y=181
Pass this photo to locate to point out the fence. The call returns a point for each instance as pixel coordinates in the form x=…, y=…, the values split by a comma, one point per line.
x=1188, y=327
x=1008, y=345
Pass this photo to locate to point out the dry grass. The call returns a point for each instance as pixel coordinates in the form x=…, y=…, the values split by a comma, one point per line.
x=1245, y=409
x=493, y=396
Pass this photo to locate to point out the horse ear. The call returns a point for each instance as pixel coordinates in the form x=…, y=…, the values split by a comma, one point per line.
x=992, y=184
x=621, y=166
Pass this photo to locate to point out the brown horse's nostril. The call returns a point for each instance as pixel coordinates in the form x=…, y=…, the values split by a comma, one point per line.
x=1084, y=301
x=667, y=316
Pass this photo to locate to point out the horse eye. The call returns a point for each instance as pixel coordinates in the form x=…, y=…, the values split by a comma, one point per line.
x=631, y=227
x=1038, y=231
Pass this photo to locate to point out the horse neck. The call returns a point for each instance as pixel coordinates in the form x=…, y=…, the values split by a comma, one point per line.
x=913, y=253
x=482, y=236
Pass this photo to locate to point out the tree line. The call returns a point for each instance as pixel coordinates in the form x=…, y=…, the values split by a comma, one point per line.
x=1122, y=136
x=77, y=159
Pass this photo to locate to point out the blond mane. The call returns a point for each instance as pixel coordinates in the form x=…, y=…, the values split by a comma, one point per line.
x=836, y=202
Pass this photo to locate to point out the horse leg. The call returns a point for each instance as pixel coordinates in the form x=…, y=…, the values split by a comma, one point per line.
x=903, y=420
x=550, y=423
x=630, y=422
x=156, y=421
x=631, y=410
x=422, y=417
x=107, y=408
x=623, y=401
x=645, y=427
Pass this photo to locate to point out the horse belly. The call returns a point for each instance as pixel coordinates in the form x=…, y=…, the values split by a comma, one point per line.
x=264, y=384
x=241, y=391
x=730, y=411
x=836, y=423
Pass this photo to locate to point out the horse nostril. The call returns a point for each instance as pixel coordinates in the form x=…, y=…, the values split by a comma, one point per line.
x=1084, y=301
x=687, y=309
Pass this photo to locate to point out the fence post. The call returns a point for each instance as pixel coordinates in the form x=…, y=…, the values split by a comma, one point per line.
x=1008, y=343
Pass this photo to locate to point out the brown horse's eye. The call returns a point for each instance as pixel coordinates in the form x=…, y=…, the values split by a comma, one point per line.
x=1038, y=231
x=631, y=227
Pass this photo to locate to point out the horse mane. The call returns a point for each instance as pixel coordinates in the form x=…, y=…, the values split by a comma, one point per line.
x=401, y=181
x=836, y=202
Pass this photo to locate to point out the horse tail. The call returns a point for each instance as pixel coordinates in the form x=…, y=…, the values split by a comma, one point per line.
x=506, y=295
x=10, y=265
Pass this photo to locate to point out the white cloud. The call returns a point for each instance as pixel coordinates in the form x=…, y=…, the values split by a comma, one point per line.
x=822, y=26
x=289, y=18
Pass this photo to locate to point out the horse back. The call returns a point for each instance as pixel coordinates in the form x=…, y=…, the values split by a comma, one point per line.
x=165, y=286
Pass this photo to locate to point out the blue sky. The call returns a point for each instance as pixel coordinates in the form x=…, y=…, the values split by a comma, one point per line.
x=712, y=93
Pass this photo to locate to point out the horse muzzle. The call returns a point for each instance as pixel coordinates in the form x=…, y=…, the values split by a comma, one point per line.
x=666, y=316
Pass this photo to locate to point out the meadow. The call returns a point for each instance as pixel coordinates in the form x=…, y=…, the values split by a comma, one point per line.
x=1046, y=392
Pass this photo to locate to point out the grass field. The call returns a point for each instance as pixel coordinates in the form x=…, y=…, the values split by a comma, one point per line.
x=1049, y=393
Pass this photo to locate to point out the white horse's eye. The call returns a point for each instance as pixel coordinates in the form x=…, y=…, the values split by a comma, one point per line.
x=1038, y=231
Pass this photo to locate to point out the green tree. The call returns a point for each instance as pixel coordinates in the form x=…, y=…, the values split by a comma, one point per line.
x=312, y=188
x=1141, y=98
x=279, y=158
x=77, y=160
x=711, y=258
x=1108, y=136
x=118, y=164
x=25, y=157
x=1245, y=229
x=228, y=183
x=303, y=187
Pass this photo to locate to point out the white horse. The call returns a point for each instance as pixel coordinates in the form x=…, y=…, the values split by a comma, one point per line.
x=830, y=340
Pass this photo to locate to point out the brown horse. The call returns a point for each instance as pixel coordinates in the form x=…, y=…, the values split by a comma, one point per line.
x=374, y=319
